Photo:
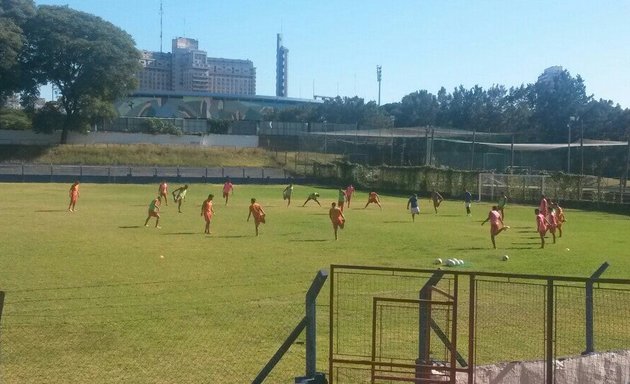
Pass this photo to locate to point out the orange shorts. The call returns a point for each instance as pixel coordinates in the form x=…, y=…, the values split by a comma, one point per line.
x=260, y=219
x=226, y=194
x=372, y=200
x=207, y=216
x=338, y=222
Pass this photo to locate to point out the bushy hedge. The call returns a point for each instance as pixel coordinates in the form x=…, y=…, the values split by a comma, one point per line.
x=161, y=126
x=218, y=126
x=14, y=119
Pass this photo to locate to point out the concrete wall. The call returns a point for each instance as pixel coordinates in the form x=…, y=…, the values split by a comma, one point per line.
x=597, y=368
x=28, y=138
x=31, y=138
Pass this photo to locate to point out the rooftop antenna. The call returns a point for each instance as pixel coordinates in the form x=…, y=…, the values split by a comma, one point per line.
x=161, y=13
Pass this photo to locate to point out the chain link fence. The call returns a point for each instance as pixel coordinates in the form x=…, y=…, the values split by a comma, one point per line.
x=139, y=333
x=377, y=321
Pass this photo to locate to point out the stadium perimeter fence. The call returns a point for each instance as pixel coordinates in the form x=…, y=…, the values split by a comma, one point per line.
x=143, y=332
x=138, y=174
x=369, y=332
x=486, y=186
x=393, y=325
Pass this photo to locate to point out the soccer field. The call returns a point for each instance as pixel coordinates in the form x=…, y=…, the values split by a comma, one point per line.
x=96, y=296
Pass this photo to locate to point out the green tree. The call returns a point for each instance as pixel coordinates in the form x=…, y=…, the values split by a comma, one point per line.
x=89, y=60
x=556, y=97
x=13, y=15
x=419, y=108
x=48, y=119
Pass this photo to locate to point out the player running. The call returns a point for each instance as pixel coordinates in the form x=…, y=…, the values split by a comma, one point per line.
x=413, y=207
x=163, y=191
x=496, y=224
x=228, y=188
x=313, y=196
x=349, y=193
x=179, y=195
x=286, y=194
x=337, y=218
x=154, y=211
x=207, y=212
x=74, y=195
x=373, y=197
x=257, y=211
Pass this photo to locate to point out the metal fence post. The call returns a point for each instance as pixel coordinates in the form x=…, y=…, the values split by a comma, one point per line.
x=590, y=344
x=311, y=322
x=308, y=323
x=549, y=366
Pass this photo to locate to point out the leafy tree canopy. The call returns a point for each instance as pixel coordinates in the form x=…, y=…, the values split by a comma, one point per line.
x=13, y=15
x=88, y=59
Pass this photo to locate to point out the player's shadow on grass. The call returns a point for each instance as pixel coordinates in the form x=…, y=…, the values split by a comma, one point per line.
x=530, y=247
x=308, y=241
x=183, y=233
x=470, y=249
x=129, y=226
x=50, y=210
x=231, y=236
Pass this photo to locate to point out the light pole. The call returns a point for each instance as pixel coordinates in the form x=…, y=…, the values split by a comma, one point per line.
x=378, y=78
x=571, y=120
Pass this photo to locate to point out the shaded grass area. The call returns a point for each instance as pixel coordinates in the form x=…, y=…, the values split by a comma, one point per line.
x=149, y=154
x=90, y=299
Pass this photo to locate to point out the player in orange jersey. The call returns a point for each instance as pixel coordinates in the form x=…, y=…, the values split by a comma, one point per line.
x=163, y=191
x=373, y=198
x=496, y=224
x=337, y=218
x=560, y=216
x=541, y=226
x=74, y=195
x=228, y=188
x=256, y=210
x=437, y=199
x=349, y=193
x=154, y=211
x=207, y=212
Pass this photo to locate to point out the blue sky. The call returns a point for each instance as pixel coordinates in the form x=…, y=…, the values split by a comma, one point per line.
x=335, y=46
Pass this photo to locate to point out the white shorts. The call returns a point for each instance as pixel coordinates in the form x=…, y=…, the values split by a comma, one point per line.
x=467, y=205
x=414, y=210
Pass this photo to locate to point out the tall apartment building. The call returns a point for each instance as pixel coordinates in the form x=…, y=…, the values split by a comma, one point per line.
x=187, y=68
x=282, y=68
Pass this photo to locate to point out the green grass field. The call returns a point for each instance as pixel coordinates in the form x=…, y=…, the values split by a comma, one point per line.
x=89, y=297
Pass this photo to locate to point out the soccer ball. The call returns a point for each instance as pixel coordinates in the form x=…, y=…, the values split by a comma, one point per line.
x=505, y=257
x=437, y=261
x=461, y=262
x=451, y=262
